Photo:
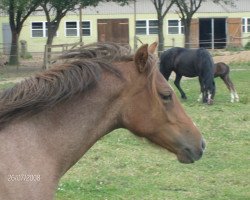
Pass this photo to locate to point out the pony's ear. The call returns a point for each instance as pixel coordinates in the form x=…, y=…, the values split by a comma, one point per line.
x=152, y=48
x=141, y=57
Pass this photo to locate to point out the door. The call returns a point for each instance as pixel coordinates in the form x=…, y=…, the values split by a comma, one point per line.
x=113, y=30
x=213, y=33
x=234, y=31
x=205, y=33
x=220, y=33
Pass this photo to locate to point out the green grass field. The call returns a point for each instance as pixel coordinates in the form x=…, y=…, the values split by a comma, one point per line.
x=122, y=166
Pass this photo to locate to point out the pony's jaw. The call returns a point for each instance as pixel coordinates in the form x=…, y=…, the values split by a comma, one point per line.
x=185, y=153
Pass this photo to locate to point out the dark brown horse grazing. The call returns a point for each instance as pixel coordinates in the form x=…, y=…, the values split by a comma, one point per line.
x=48, y=122
x=190, y=63
x=222, y=70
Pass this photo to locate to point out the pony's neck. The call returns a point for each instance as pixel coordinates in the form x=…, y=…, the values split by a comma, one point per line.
x=65, y=132
x=49, y=143
x=73, y=130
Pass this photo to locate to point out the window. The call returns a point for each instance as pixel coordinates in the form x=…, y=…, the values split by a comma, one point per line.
x=141, y=27
x=246, y=25
x=175, y=27
x=72, y=28
x=146, y=27
x=37, y=29
x=153, y=26
x=86, y=28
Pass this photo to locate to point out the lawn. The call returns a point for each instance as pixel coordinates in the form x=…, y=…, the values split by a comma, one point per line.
x=122, y=166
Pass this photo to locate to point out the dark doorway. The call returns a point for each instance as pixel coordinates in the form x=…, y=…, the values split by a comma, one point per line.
x=213, y=33
x=113, y=30
x=205, y=33
x=220, y=33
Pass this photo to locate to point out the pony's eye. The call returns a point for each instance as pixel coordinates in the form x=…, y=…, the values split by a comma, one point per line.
x=166, y=97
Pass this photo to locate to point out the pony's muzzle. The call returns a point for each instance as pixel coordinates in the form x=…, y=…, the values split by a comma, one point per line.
x=192, y=154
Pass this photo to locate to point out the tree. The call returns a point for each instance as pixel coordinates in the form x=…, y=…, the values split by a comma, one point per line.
x=18, y=11
x=188, y=8
x=162, y=7
x=55, y=10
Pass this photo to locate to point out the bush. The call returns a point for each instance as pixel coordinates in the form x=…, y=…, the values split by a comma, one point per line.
x=233, y=48
x=27, y=55
x=247, y=46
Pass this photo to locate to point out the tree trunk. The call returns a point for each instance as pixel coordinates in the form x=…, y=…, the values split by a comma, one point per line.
x=47, y=55
x=14, y=56
x=50, y=40
x=187, y=33
x=52, y=28
x=160, y=35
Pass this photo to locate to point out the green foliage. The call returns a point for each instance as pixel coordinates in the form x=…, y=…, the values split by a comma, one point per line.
x=233, y=48
x=20, y=8
x=247, y=46
x=27, y=55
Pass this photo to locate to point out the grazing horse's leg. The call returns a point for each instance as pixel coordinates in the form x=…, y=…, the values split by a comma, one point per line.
x=202, y=96
x=231, y=88
x=177, y=84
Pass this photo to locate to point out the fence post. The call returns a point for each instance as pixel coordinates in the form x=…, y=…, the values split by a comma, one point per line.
x=45, y=59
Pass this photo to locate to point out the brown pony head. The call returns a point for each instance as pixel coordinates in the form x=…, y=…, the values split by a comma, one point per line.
x=152, y=110
x=128, y=90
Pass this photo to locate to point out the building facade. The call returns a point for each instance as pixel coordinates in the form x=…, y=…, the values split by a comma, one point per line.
x=213, y=26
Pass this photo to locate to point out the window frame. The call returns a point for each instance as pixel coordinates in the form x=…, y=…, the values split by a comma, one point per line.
x=147, y=27
x=245, y=26
x=78, y=28
x=43, y=29
x=180, y=27
x=90, y=32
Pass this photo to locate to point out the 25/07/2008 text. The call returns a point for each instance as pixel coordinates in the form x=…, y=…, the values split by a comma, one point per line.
x=24, y=177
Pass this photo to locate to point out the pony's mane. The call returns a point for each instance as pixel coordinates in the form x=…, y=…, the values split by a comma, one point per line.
x=78, y=71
